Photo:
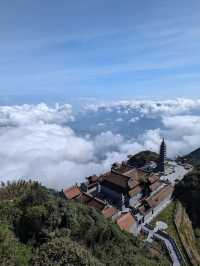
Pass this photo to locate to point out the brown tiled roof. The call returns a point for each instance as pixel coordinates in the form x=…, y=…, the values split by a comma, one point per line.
x=122, y=169
x=133, y=183
x=135, y=173
x=135, y=176
x=108, y=212
x=125, y=221
x=155, y=185
x=153, y=178
x=101, y=177
x=92, y=201
x=72, y=192
x=130, y=179
x=135, y=191
x=158, y=197
x=116, y=179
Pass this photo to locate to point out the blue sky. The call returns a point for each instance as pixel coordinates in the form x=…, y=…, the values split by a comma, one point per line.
x=76, y=51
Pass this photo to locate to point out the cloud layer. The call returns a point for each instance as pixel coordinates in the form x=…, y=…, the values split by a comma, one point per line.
x=39, y=142
x=168, y=107
x=30, y=114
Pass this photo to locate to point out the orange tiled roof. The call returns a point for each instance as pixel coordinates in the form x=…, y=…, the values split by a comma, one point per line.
x=108, y=212
x=125, y=221
x=72, y=192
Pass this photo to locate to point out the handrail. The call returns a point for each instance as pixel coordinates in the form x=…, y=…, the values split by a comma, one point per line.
x=167, y=237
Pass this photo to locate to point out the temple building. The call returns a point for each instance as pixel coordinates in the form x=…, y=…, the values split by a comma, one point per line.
x=124, y=188
x=163, y=156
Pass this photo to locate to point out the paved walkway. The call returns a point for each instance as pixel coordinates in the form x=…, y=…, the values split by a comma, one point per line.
x=177, y=174
x=173, y=250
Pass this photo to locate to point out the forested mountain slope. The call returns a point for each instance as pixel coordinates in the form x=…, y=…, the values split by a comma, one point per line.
x=188, y=193
x=39, y=227
x=193, y=157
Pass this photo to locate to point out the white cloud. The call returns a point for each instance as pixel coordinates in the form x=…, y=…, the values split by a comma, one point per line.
x=179, y=122
x=183, y=131
x=134, y=120
x=43, y=148
x=40, y=149
x=167, y=107
x=29, y=114
x=37, y=143
x=107, y=142
x=183, y=124
x=119, y=119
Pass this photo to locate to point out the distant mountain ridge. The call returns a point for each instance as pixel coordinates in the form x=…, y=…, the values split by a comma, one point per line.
x=193, y=157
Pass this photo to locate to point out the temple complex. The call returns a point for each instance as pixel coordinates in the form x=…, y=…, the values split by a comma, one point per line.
x=130, y=195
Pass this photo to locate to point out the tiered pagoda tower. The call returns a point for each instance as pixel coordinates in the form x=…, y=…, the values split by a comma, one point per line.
x=163, y=156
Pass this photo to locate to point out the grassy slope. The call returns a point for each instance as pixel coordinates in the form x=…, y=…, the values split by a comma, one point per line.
x=188, y=192
x=187, y=235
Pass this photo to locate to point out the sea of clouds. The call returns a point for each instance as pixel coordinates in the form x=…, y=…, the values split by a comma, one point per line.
x=41, y=142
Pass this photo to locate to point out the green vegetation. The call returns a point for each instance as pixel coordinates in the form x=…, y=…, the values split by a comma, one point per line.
x=142, y=158
x=38, y=227
x=167, y=216
x=12, y=252
x=186, y=234
x=193, y=158
x=188, y=193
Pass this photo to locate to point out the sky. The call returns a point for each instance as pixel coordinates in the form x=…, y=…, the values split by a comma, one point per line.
x=80, y=51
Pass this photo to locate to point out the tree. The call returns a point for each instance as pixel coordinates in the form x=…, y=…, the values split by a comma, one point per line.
x=12, y=252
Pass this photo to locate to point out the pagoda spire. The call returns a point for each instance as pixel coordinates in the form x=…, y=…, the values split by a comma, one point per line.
x=162, y=156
